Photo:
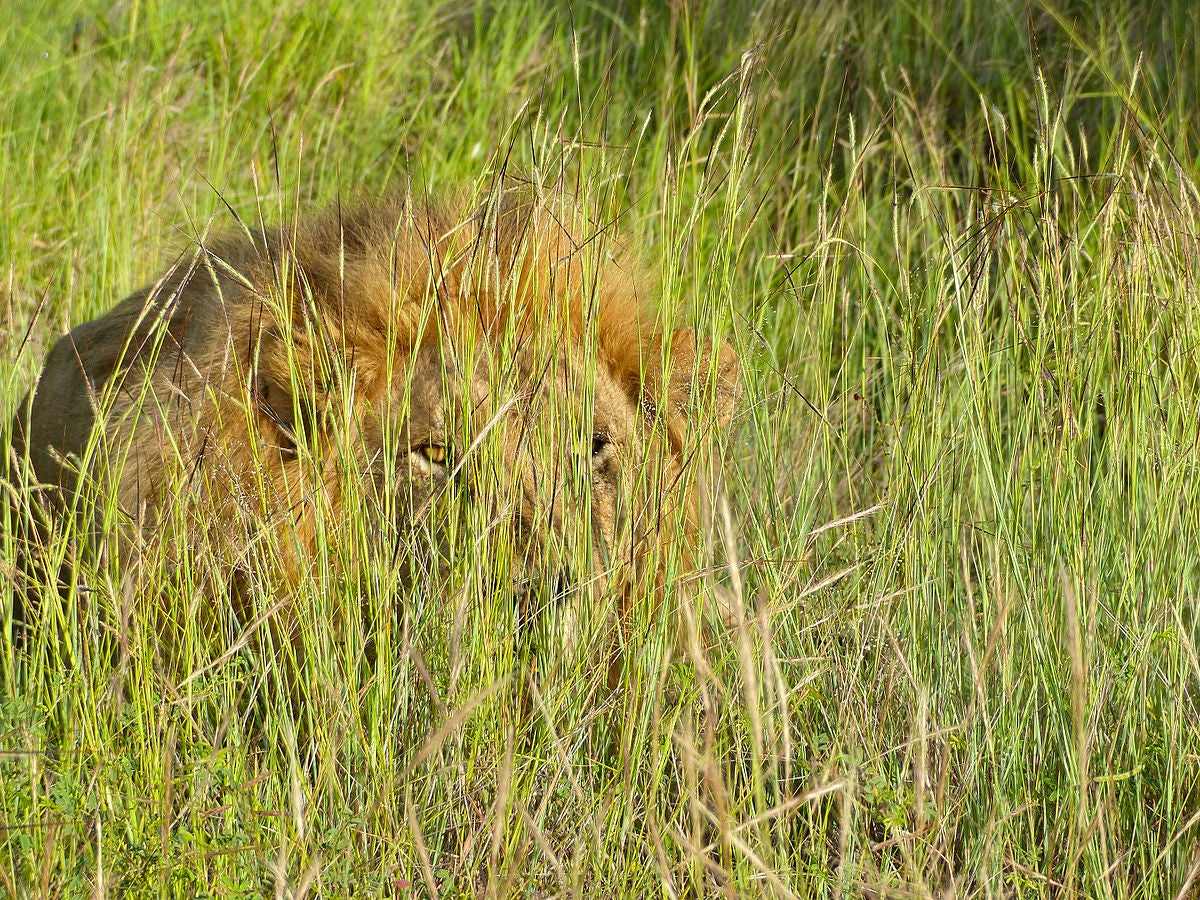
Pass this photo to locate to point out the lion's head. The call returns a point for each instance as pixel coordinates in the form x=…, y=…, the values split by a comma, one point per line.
x=386, y=358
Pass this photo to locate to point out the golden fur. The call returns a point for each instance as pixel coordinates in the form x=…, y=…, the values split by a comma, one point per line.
x=364, y=356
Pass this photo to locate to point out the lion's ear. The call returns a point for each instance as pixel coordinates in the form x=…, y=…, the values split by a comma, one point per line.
x=286, y=406
x=699, y=378
x=273, y=399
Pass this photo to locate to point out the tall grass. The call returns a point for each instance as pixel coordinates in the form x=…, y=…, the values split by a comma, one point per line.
x=955, y=246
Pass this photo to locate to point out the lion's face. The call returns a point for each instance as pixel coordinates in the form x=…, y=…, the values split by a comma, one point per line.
x=387, y=370
x=564, y=464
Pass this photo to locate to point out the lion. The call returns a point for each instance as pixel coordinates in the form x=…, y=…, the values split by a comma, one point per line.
x=375, y=358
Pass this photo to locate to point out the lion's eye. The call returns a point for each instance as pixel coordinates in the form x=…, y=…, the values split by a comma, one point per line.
x=600, y=448
x=433, y=453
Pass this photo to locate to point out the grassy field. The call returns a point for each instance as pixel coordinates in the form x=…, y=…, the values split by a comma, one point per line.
x=957, y=247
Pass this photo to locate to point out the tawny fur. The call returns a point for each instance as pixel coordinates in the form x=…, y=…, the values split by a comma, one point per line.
x=220, y=381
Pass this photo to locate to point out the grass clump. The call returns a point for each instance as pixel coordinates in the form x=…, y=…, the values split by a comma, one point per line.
x=955, y=248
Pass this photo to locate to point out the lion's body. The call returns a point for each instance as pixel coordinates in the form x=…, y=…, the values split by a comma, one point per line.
x=373, y=355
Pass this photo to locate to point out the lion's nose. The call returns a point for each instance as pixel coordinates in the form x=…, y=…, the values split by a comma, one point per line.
x=534, y=519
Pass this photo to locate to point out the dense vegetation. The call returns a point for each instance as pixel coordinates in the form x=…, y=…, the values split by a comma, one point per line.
x=956, y=247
